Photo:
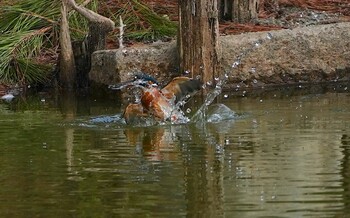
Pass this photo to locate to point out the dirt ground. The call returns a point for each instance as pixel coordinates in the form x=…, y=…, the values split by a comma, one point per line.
x=274, y=14
x=304, y=51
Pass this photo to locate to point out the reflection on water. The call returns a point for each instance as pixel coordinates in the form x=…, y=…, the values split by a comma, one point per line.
x=282, y=153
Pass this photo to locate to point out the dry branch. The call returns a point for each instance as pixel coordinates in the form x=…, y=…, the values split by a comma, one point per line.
x=92, y=16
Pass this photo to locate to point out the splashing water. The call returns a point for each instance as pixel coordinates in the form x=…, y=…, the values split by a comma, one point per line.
x=200, y=115
x=172, y=112
x=177, y=116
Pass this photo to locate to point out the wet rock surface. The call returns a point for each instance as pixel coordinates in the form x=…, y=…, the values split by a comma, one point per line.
x=316, y=53
x=112, y=66
x=302, y=55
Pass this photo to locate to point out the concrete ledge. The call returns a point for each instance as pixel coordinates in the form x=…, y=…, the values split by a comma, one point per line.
x=113, y=66
x=308, y=54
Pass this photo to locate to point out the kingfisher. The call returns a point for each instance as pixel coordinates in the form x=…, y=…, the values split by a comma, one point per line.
x=156, y=102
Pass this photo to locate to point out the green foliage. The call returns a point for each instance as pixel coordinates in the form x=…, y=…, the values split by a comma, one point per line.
x=17, y=52
x=28, y=30
x=142, y=23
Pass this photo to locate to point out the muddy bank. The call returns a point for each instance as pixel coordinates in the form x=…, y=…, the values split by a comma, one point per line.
x=306, y=54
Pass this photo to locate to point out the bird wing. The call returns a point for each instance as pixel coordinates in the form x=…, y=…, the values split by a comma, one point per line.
x=181, y=87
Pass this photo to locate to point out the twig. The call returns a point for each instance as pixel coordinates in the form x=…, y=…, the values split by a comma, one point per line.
x=90, y=15
x=121, y=32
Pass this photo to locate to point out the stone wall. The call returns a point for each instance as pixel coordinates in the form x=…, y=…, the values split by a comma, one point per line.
x=307, y=54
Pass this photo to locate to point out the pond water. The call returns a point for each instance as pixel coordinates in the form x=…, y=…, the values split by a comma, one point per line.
x=285, y=153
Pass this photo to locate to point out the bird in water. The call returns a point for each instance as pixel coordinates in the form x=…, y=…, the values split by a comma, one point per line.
x=156, y=102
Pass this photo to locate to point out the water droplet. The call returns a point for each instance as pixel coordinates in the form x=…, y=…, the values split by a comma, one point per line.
x=226, y=96
x=261, y=100
x=236, y=63
x=226, y=75
x=209, y=83
x=216, y=78
x=299, y=86
x=43, y=100
x=187, y=72
x=255, y=81
x=269, y=36
x=188, y=110
x=346, y=88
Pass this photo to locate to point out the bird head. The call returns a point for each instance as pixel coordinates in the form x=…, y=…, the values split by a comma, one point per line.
x=145, y=80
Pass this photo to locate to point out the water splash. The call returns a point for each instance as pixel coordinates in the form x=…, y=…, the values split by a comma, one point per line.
x=220, y=112
x=200, y=115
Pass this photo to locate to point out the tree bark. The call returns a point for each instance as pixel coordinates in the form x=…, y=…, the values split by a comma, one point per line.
x=92, y=16
x=240, y=11
x=67, y=64
x=198, y=38
x=98, y=29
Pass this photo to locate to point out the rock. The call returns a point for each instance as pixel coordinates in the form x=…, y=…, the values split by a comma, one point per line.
x=317, y=53
x=302, y=55
x=113, y=66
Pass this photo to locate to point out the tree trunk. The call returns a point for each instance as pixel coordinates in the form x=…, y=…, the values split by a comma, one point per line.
x=67, y=64
x=240, y=11
x=198, y=38
x=96, y=40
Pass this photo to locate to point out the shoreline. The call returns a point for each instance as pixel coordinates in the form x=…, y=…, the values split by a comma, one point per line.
x=312, y=54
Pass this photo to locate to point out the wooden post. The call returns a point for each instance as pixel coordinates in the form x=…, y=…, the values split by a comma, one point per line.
x=198, y=38
x=99, y=27
x=67, y=64
x=240, y=11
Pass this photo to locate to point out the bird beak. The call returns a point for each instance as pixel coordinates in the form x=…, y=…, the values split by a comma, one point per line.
x=121, y=85
x=135, y=83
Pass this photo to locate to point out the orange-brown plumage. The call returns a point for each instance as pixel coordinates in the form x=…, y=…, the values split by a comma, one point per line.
x=133, y=112
x=160, y=103
x=180, y=87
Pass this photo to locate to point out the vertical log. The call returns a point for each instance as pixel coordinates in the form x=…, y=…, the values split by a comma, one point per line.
x=96, y=40
x=244, y=10
x=240, y=11
x=67, y=64
x=198, y=38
